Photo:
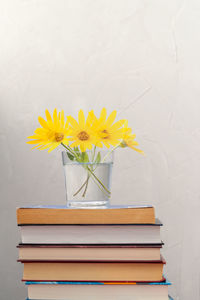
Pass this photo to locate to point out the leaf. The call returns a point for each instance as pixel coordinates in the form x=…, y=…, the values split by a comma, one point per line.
x=98, y=158
x=84, y=157
x=76, y=149
x=78, y=153
x=70, y=156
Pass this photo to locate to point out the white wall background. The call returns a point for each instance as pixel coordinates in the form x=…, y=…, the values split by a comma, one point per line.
x=140, y=57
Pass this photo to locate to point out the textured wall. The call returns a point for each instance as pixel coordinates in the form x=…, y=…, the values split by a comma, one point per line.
x=139, y=57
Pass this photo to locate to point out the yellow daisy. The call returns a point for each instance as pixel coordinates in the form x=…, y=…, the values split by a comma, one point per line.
x=129, y=139
x=106, y=131
x=54, y=131
x=81, y=132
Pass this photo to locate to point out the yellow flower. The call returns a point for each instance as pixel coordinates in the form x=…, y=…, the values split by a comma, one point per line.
x=54, y=131
x=81, y=134
x=129, y=139
x=106, y=132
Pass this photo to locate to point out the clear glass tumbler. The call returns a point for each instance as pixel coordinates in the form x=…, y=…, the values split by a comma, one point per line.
x=88, y=184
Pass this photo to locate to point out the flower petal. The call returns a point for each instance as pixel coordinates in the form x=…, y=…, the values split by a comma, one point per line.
x=106, y=143
x=74, y=144
x=55, y=145
x=48, y=116
x=72, y=121
x=33, y=142
x=117, y=125
x=83, y=147
x=103, y=115
x=62, y=118
x=40, y=131
x=136, y=149
x=81, y=118
x=111, y=118
x=55, y=117
x=91, y=118
x=43, y=123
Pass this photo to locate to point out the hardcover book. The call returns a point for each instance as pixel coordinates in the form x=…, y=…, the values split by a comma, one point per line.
x=89, y=252
x=91, y=234
x=94, y=271
x=98, y=290
x=64, y=215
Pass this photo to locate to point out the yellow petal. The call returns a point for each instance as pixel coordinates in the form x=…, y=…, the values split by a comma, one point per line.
x=103, y=115
x=117, y=125
x=73, y=122
x=136, y=149
x=33, y=142
x=114, y=142
x=37, y=146
x=82, y=147
x=131, y=136
x=48, y=116
x=67, y=123
x=81, y=118
x=89, y=146
x=55, y=117
x=106, y=144
x=75, y=144
x=54, y=146
x=43, y=123
x=126, y=123
x=98, y=144
x=62, y=118
x=134, y=143
x=40, y=147
x=91, y=118
x=43, y=147
x=111, y=118
x=65, y=141
x=40, y=131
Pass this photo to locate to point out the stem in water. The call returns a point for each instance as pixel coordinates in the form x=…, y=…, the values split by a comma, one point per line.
x=86, y=185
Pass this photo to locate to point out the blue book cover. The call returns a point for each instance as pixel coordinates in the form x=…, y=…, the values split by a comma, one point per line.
x=67, y=207
x=96, y=282
x=170, y=298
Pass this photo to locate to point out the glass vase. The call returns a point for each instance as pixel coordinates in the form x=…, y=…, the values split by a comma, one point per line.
x=88, y=184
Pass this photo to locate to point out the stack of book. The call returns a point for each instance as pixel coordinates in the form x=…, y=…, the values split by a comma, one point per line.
x=92, y=254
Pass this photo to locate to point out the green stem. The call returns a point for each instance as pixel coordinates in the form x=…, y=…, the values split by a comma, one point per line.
x=89, y=170
x=99, y=181
x=80, y=188
x=70, y=150
x=109, y=153
x=86, y=186
x=100, y=187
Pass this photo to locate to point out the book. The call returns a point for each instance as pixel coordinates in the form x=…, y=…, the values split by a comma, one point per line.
x=89, y=252
x=98, y=290
x=169, y=298
x=64, y=215
x=93, y=271
x=91, y=234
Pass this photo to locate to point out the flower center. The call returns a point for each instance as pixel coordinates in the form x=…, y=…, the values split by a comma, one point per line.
x=59, y=136
x=104, y=134
x=83, y=136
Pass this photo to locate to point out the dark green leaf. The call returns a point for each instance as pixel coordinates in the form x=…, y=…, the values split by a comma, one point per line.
x=70, y=156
